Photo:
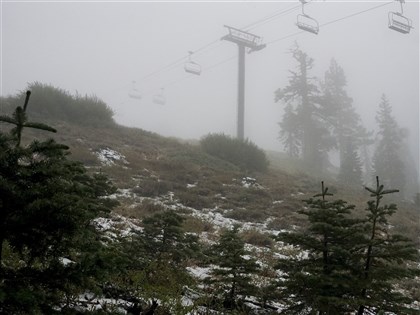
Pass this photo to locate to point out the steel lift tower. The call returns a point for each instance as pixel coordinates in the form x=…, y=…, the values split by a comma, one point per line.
x=253, y=43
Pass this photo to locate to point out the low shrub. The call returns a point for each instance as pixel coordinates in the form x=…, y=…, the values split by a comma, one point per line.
x=242, y=153
x=255, y=237
x=152, y=188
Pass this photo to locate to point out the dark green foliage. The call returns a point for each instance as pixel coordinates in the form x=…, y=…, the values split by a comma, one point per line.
x=231, y=278
x=47, y=203
x=152, y=261
x=386, y=160
x=51, y=103
x=318, y=279
x=385, y=260
x=242, y=153
x=347, y=264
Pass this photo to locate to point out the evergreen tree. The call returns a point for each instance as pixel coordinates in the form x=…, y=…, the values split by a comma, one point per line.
x=291, y=132
x=385, y=259
x=234, y=268
x=386, y=159
x=318, y=280
x=47, y=203
x=301, y=128
x=350, y=166
x=154, y=263
x=338, y=111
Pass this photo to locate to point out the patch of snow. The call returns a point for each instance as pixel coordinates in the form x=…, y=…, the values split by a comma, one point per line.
x=108, y=157
x=277, y=202
x=117, y=226
x=65, y=261
x=200, y=272
x=191, y=185
x=248, y=182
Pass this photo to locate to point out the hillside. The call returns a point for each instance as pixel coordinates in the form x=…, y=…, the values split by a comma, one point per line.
x=154, y=173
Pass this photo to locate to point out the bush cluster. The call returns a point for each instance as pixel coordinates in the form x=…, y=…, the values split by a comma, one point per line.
x=49, y=103
x=242, y=153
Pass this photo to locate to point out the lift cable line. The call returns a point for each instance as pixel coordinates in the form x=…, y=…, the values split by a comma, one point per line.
x=264, y=20
x=269, y=18
x=205, y=69
x=331, y=22
x=205, y=47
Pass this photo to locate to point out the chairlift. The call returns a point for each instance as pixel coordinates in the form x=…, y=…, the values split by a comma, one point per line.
x=398, y=22
x=134, y=93
x=307, y=23
x=191, y=66
x=159, y=98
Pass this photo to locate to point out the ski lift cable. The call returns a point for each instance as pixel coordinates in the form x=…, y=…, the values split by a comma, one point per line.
x=357, y=13
x=269, y=18
x=332, y=21
x=277, y=40
x=205, y=48
x=262, y=21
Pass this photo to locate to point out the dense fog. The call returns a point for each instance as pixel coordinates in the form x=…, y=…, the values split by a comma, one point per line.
x=127, y=53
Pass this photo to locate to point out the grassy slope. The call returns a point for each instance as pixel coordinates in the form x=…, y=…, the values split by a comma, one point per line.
x=159, y=165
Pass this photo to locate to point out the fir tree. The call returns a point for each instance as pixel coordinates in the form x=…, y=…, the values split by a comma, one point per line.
x=47, y=203
x=234, y=269
x=318, y=280
x=337, y=110
x=350, y=166
x=301, y=126
x=385, y=259
x=290, y=132
x=386, y=159
x=154, y=261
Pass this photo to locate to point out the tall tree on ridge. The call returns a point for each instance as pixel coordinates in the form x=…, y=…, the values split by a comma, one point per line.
x=386, y=159
x=345, y=124
x=301, y=129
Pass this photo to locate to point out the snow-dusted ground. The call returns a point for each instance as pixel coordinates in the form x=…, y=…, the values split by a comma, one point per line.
x=108, y=157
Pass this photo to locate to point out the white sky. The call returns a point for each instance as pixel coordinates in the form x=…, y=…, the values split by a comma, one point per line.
x=97, y=47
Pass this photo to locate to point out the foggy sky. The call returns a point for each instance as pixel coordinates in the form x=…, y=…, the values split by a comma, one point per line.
x=99, y=48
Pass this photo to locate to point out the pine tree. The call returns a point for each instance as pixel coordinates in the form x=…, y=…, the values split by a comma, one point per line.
x=347, y=264
x=386, y=159
x=350, y=166
x=301, y=126
x=47, y=203
x=155, y=262
x=385, y=259
x=318, y=280
x=337, y=110
x=234, y=269
x=290, y=132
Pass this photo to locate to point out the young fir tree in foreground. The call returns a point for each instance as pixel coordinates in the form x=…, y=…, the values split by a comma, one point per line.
x=347, y=265
x=386, y=259
x=318, y=279
x=47, y=203
x=231, y=278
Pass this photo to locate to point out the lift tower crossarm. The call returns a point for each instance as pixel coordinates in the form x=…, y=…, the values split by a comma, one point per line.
x=244, y=40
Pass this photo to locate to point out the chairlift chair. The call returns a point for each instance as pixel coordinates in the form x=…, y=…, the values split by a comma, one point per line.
x=307, y=23
x=134, y=93
x=191, y=66
x=398, y=22
x=159, y=98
